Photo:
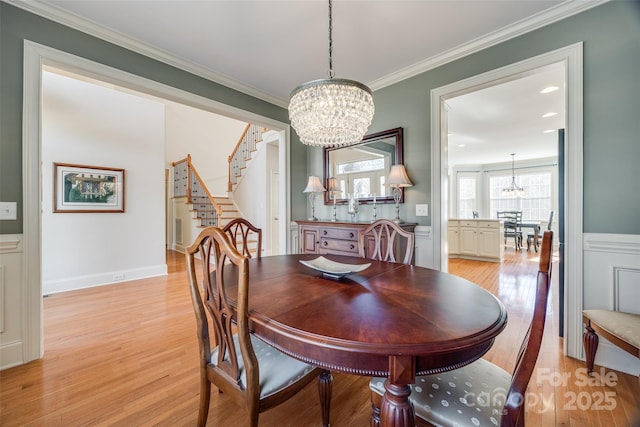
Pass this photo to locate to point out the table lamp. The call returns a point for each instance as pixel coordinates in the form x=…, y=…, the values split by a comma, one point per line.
x=314, y=186
x=398, y=178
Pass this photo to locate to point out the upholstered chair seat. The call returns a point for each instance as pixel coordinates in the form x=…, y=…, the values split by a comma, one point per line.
x=470, y=396
x=277, y=370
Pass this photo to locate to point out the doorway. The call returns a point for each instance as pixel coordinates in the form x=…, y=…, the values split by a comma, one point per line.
x=571, y=57
x=35, y=57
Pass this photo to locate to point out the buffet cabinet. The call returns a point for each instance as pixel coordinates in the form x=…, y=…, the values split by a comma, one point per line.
x=339, y=238
x=475, y=239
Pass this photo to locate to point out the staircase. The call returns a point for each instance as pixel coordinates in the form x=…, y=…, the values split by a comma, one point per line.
x=211, y=210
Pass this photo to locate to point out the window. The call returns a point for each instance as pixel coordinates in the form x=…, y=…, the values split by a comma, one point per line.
x=467, y=195
x=536, y=202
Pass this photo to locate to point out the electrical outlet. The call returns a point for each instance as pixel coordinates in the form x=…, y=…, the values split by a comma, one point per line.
x=8, y=210
x=422, y=210
x=118, y=276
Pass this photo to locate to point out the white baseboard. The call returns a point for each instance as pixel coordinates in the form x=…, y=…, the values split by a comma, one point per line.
x=101, y=279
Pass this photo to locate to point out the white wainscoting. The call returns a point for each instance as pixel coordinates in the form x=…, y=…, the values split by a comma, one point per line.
x=612, y=282
x=12, y=288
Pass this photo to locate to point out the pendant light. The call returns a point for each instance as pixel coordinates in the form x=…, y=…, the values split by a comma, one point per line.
x=331, y=112
x=513, y=189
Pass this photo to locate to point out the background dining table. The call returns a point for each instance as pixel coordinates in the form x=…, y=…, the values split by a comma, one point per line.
x=391, y=320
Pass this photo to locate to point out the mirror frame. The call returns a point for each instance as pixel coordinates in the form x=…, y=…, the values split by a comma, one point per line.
x=397, y=134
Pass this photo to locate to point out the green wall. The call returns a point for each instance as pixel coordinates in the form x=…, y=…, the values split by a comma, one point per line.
x=17, y=25
x=611, y=36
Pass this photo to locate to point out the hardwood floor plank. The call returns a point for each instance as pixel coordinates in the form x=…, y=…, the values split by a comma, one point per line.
x=126, y=354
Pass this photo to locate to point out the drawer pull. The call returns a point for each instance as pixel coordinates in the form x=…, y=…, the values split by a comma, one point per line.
x=351, y=235
x=325, y=243
x=352, y=246
x=324, y=232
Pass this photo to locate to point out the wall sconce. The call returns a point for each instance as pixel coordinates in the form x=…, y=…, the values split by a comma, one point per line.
x=314, y=186
x=398, y=178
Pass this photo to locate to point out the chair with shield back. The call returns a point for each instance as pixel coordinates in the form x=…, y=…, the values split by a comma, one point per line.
x=254, y=374
x=481, y=393
x=383, y=239
x=246, y=237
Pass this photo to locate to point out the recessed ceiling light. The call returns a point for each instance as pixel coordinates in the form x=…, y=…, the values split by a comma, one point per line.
x=462, y=145
x=549, y=89
x=549, y=114
x=549, y=130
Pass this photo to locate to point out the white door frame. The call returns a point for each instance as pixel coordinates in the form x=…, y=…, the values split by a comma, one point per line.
x=571, y=56
x=35, y=57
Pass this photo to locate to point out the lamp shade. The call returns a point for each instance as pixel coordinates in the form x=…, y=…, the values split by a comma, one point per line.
x=314, y=185
x=333, y=185
x=398, y=177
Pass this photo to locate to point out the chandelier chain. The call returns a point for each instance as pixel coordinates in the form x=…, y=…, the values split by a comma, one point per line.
x=330, y=73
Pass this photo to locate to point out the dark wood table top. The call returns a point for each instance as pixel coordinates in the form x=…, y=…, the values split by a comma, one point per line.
x=354, y=324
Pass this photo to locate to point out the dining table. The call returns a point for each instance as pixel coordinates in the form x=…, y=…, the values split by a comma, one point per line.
x=535, y=226
x=388, y=320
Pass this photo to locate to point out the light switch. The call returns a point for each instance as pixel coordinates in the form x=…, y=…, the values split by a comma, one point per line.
x=422, y=210
x=8, y=210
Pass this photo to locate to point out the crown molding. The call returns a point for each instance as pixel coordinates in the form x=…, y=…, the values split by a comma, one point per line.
x=514, y=30
x=76, y=22
x=92, y=28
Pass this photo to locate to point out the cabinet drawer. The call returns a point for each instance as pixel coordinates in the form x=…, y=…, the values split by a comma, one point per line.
x=339, y=233
x=339, y=245
x=489, y=224
x=468, y=223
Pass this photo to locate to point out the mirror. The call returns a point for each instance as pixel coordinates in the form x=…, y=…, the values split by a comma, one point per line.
x=361, y=169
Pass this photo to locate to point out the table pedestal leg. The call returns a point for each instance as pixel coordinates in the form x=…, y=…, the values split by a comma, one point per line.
x=396, y=410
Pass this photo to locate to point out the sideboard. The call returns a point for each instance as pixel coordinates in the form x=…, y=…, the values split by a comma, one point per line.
x=336, y=238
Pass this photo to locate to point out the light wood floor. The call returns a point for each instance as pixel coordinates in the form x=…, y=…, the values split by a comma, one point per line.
x=126, y=355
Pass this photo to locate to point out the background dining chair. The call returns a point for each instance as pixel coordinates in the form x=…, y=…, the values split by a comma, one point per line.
x=511, y=224
x=481, y=393
x=246, y=237
x=531, y=234
x=382, y=239
x=242, y=366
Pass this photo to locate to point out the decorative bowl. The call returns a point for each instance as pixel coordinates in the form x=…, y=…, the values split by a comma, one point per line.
x=333, y=269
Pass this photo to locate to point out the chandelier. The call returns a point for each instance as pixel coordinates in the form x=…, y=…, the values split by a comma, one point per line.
x=513, y=189
x=331, y=112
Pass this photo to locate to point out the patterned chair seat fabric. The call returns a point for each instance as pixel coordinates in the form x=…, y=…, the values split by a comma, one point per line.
x=277, y=370
x=476, y=391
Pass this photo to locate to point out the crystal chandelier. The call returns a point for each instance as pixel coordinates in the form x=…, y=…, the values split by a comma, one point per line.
x=513, y=189
x=331, y=112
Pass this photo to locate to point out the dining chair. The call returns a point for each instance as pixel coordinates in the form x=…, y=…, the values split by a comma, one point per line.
x=481, y=393
x=251, y=372
x=531, y=234
x=245, y=236
x=510, y=224
x=382, y=239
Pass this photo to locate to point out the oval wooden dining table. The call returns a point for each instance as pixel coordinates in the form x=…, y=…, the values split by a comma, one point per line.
x=391, y=320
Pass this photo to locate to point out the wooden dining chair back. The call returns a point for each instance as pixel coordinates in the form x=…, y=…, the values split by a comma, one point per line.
x=481, y=393
x=383, y=239
x=246, y=237
x=253, y=373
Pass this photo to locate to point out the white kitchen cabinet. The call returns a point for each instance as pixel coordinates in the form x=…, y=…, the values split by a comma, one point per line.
x=476, y=239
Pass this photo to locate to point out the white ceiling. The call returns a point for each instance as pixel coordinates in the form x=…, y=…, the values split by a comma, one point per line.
x=266, y=48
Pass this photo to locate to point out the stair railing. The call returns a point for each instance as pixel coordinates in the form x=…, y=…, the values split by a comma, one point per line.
x=188, y=183
x=241, y=154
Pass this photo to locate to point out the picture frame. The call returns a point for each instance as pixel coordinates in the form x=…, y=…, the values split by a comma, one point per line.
x=87, y=189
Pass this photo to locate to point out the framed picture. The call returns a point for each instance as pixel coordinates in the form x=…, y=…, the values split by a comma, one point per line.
x=79, y=188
